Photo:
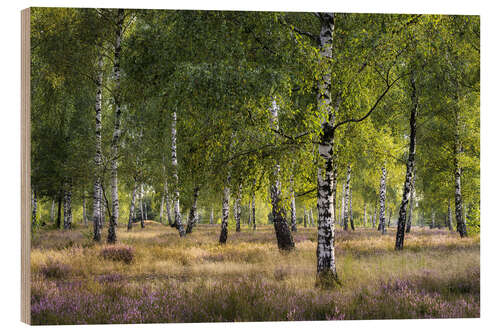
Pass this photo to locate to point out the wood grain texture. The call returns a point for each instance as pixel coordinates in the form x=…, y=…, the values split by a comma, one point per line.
x=25, y=167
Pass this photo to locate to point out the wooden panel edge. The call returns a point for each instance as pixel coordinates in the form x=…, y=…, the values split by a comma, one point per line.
x=25, y=167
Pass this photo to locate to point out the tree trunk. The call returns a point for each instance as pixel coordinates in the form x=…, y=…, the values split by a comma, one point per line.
x=253, y=211
x=283, y=233
x=461, y=228
x=293, y=213
x=212, y=216
x=382, y=200
x=412, y=202
x=59, y=204
x=342, y=208
x=141, y=202
x=410, y=165
x=177, y=213
x=117, y=130
x=67, y=208
x=325, y=252
x=84, y=209
x=225, y=210
x=374, y=216
x=450, y=219
x=351, y=217
x=346, y=205
x=389, y=220
x=145, y=210
x=34, y=206
x=192, y=212
x=52, y=211
x=167, y=205
x=312, y=217
x=237, y=209
x=433, y=225
x=364, y=218
x=132, y=207
x=161, y=206
x=334, y=191
x=96, y=214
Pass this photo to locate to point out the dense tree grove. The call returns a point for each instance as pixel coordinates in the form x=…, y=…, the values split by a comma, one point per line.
x=176, y=116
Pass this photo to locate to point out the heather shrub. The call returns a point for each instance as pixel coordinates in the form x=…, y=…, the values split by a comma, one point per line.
x=118, y=253
x=55, y=270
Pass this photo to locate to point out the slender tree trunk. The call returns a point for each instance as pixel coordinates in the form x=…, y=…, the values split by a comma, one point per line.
x=342, y=213
x=141, y=202
x=59, y=204
x=364, y=218
x=410, y=165
x=461, y=228
x=67, y=207
x=145, y=210
x=237, y=209
x=117, y=129
x=346, y=205
x=351, y=217
x=192, y=212
x=450, y=219
x=212, y=216
x=253, y=211
x=389, y=220
x=132, y=207
x=334, y=190
x=34, y=206
x=167, y=205
x=325, y=252
x=52, y=208
x=308, y=218
x=374, y=216
x=312, y=217
x=283, y=233
x=96, y=215
x=412, y=202
x=177, y=213
x=382, y=201
x=293, y=213
x=84, y=209
x=161, y=206
x=225, y=210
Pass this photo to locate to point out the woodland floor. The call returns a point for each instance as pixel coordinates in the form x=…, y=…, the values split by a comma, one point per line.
x=194, y=279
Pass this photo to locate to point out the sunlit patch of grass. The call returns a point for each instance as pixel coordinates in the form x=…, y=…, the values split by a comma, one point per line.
x=436, y=275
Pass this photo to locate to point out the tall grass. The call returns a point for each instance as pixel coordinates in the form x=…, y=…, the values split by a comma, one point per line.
x=155, y=276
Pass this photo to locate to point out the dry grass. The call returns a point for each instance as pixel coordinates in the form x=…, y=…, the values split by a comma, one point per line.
x=196, y=279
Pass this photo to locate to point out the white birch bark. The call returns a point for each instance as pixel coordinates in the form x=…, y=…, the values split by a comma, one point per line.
x=382, y=200
x=117, y=129
x=97, y=200
x=132, y=207
x=325, y=252
x=211, y=216
x=177, y=213
x=34, y=207
x=141, y=202
x=450, y=218
x=283, y=235
x=68, y=217
x=293, y=212
x=364, y=218
x=237, y=209
x=225, y=210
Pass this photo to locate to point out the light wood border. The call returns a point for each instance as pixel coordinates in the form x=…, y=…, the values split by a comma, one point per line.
x=25, y=168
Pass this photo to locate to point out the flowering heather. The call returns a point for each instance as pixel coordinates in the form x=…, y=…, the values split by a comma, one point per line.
x=118, y=253
x=195, y=280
